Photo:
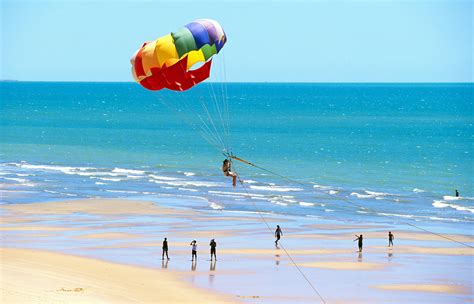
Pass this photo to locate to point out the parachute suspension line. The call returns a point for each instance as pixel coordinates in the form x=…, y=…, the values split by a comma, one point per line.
x=215, y=110
x=281, y=245
x=211, y=138
x=350, y=202
x=218, y=111
x=225, y=98
x=208, y=136
x=216, y=134
x=221, y=103
x=205, y=132
x=217, y=140
x=211, y=121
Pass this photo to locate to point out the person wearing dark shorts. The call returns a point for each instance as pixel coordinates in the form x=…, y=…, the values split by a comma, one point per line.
x=193, y=250
x=359, y=239
x=390, y=239
x=213, y=245
x=165, y=250
x=278, y=234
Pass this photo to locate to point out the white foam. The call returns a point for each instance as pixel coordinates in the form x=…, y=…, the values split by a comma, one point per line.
x=188, y=189
x=19, y=180
x=122, y=191
x=249, y=181
x=396, y=215
x=100, y=183
x=189, y=173
x=275, y=188
x=416, y=190
x=371, y=194
x=134, y=176
x=61, y=193
x=215, y=206
x=127, y=171
x=321, y=187
x=439, y=204
x=359, y=195
x=109, y=179
x=329, y=210
x=332, y=192
x=234, y=193
x=442, y=204
x=378, y=193
x=306, y=204
x=443, y=219
x=64, y=169
x=163, y=178
x=183, y=183
x=96, y=173
x=451, y=198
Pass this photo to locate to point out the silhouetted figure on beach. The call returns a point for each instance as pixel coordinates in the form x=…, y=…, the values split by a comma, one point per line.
x=278, y=234
x=165, y=249
x=193, y=250
x=390, y=239
x=227, y=169
x=213, y=245
x=359, y=239
x=456, y=193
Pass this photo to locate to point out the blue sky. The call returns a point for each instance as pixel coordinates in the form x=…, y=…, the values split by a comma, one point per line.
x=307, y=41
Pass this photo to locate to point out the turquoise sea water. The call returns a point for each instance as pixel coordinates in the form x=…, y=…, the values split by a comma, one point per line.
x=397, y=150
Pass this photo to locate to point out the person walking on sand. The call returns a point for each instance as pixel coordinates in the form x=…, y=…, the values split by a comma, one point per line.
x=390, y=239
x=278, y=234
x=213, y=245
x=359, y=238
x=227, y=169
x=165, y=250
x=194, y=250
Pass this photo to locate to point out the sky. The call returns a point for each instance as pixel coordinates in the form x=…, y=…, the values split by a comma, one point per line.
x=268, y=41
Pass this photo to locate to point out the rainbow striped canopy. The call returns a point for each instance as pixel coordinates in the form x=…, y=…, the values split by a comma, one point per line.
x=166, y=62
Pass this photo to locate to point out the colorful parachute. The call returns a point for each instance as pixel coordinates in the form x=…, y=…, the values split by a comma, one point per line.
x=167, y=61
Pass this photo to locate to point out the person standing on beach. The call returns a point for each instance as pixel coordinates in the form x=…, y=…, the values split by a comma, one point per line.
x=278, y=234
x=226, y=168
x=359, y=238
x=390, y=239
x=165, y=249
x=213, y=245
x=194, y=250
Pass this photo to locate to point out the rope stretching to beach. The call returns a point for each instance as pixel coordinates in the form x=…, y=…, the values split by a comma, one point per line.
x=231, y=156
x=271, y=231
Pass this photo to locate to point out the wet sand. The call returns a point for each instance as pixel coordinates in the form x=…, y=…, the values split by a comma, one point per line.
x=72, y=242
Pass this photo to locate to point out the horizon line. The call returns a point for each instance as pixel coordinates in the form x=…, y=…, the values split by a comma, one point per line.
x=258, y=82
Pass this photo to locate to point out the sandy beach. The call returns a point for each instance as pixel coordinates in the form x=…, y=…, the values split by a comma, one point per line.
x=109, y=250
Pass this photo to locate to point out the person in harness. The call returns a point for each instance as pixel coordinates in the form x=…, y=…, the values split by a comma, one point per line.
x=226, y=168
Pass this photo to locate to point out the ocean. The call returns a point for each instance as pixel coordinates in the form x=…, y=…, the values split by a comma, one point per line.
x=390, y=153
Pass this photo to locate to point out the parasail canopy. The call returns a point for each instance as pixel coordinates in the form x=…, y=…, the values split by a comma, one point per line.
x=167, y=61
